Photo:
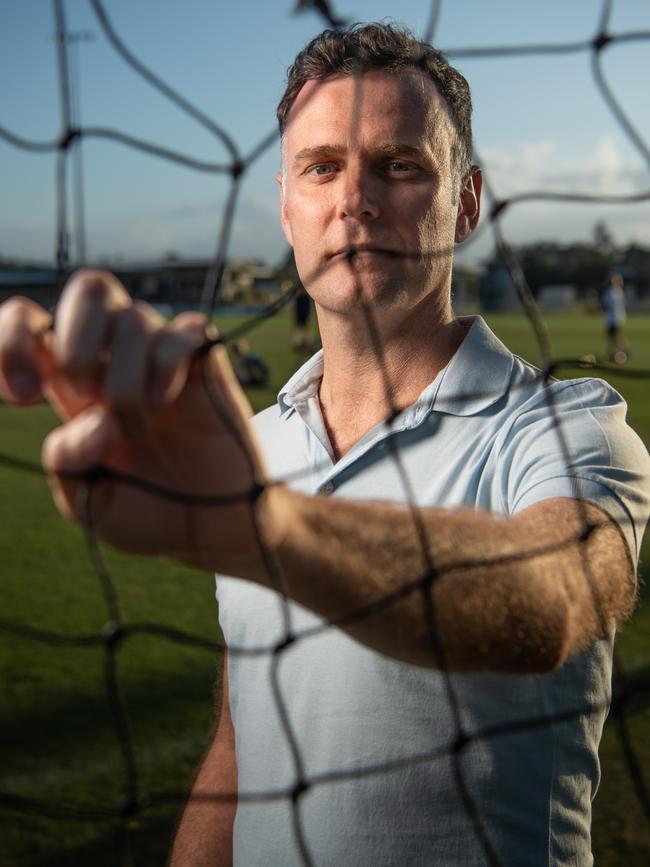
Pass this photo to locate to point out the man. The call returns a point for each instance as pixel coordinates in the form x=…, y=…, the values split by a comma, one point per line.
x=613, y=304
x=509, y=565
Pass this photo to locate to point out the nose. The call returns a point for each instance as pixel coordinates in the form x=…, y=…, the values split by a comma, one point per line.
x=359, y=195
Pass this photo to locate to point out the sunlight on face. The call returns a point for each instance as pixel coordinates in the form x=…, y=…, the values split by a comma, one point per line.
x=369, y=196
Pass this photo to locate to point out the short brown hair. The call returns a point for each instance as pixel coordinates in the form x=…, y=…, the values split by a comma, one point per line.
x=365, y=47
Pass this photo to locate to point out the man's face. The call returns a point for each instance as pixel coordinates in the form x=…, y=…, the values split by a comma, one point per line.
x=370, y=200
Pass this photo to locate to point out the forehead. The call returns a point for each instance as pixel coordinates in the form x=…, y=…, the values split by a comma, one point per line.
x=378, y=105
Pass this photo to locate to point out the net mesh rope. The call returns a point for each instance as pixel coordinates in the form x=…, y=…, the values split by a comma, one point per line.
x=111, y=638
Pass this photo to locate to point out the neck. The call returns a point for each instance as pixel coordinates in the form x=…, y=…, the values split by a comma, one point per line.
x=374, y=367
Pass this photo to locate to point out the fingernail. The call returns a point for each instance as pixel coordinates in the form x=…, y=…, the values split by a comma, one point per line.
x=24, y=383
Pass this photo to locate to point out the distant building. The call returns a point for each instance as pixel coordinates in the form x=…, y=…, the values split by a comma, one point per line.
x=246, y=280
x=559, y=296
x=497, y=292
x=39, y=284
x=179, y=284
x=173, y=284
x=465, y=288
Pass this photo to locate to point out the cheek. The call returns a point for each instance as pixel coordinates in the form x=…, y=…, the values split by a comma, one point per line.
x=437, y=225
x=429, y=228
x=305, y=221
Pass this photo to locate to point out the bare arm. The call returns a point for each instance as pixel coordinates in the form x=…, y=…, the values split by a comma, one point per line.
x=204, y=835
x=509, y=594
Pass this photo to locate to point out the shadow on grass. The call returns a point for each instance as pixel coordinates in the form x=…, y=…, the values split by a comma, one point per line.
x=39, y=842
x=70, y=750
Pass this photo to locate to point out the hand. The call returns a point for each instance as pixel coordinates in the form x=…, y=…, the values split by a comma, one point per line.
x=137, y=398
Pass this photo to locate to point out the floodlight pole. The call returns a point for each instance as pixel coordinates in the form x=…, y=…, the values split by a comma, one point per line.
x=73, y=38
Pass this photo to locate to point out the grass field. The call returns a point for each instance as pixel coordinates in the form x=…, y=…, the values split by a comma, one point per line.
x=57, y=734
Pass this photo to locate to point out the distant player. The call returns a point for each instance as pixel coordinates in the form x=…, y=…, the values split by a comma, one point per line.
x=250, y=368
x=301, y=337
x=613, y=304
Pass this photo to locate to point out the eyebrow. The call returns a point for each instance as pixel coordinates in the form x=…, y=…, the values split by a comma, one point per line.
x=317, y=152
x=387, y=150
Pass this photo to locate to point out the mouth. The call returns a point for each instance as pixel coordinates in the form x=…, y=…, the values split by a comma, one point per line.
x=354, y=250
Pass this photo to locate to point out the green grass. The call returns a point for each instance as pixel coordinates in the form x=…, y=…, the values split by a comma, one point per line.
x=58, y=736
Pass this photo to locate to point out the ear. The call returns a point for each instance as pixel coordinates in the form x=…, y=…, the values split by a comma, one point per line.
x=284, y=218
x=469, y=205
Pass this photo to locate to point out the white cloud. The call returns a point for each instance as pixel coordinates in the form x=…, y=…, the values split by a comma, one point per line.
x=544, y=166
x=603, y=170
x=192, y=229
x=257, y=232
x=143, y=238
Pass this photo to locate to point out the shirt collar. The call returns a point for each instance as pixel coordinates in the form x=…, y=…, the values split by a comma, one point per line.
x=302, y=385
x=476, y=377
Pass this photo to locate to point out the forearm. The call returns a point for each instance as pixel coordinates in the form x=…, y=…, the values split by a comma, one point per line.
x=204, y=835
x=465, y=590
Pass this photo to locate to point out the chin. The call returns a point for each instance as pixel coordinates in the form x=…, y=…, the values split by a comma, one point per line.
x=351, y=296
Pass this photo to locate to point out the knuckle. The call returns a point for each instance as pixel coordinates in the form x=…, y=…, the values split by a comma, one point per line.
x=192, y=330
x=18, y=311
x=178, y=342
x=89, y=282
x=149, y=314
x=190, y=319
x=22, y=323
x=91, y=289
x=139, y=319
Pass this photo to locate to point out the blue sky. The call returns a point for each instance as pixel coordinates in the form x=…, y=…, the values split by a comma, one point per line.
x=540, y=122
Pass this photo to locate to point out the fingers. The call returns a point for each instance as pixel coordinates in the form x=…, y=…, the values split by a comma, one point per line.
x=228, y=389
x=148, y=361
x=137, y=399
x=104, y=349
x=173, y=353
x=124, y=373
x=121, y=354
x=23, y=326
x=84, y=324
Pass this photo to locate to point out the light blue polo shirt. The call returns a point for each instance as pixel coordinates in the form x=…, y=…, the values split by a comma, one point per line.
x=374, y=736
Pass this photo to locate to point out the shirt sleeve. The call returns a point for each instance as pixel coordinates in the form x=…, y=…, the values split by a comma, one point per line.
x=572, y=440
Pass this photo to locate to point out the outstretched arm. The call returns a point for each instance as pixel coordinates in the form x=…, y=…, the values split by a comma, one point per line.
x=136, y=397
x=504, y=594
